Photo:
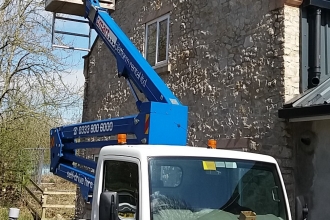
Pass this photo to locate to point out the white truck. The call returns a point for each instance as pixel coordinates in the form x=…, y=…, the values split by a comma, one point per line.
x=187, y=183
x=153, y=175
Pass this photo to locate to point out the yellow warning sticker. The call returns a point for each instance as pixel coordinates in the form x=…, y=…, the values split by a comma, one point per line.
x=209, y=165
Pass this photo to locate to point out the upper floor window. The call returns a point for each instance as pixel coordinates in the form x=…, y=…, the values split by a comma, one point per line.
x=156, y=41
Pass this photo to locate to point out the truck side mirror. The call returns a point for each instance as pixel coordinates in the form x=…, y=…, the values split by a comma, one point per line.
x=108, y=209
x=301, y=208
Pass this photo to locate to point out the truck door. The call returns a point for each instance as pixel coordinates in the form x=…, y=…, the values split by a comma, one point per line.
x=123, y=177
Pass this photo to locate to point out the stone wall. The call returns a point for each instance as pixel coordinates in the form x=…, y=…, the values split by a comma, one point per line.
x=291, y=80
x=291, y=52
x=232, y=62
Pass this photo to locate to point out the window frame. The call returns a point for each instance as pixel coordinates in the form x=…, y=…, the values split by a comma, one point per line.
x=157, y=20
x=247, y=164
x=128, y=160
x=122, y=161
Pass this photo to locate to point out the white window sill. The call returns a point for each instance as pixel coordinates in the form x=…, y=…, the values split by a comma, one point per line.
x=163, y=68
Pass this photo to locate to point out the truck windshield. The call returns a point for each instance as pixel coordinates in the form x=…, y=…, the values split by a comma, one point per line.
x=211, y=188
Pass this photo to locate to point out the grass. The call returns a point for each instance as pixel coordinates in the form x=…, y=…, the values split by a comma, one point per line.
x=24, y=214
x=55, y=183
x=51, y=183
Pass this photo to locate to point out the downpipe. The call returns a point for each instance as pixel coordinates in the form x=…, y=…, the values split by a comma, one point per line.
x=314, y=72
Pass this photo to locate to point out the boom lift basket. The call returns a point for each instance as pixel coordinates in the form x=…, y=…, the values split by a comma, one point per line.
x=74, y=7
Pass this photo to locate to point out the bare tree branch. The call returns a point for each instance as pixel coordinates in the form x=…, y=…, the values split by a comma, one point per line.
x=5, y=5
x=5, y=93
x=33, y=94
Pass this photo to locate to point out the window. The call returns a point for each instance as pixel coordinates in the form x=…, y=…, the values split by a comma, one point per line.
x=156, y=41
x=213, y=188
x=122, y=177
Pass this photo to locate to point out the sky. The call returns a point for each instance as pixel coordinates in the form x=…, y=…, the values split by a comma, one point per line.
x=76, y=77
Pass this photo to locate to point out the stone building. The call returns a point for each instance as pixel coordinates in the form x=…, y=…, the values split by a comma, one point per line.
x=234, y=63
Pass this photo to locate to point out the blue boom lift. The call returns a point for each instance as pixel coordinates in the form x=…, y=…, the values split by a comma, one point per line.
x=161, y=120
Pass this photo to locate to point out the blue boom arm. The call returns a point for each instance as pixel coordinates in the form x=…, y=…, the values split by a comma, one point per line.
x=161, y=120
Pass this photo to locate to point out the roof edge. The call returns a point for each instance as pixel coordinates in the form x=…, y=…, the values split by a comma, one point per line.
x=301, y=112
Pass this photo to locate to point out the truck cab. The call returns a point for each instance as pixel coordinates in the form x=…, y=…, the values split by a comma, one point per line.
x=155, y=182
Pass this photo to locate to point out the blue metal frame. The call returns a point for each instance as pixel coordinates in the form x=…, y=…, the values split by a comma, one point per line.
x=162, y=120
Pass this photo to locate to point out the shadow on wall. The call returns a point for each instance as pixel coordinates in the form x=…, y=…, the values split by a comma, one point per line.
x=312, y=171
